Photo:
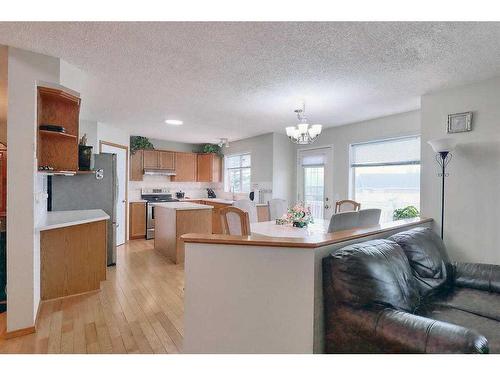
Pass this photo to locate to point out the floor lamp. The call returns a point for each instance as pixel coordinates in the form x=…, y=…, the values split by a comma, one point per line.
x=442, y=147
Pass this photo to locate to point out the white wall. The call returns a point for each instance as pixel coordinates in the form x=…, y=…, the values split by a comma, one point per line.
x=89, y=128
x=23, y=244
x=472, y=219
x=3, y=93
x=342, y=137
x=284, y=167
x=261, y=148
x=113, y=134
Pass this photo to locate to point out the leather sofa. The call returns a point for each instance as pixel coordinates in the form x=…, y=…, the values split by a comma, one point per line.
x=403, y=295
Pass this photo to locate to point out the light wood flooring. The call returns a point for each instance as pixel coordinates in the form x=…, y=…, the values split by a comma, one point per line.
x=139, y=309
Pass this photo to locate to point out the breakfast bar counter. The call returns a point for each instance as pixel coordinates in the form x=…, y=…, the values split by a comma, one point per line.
x=263, y=293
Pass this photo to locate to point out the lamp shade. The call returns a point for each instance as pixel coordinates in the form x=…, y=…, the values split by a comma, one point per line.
x=442, y=144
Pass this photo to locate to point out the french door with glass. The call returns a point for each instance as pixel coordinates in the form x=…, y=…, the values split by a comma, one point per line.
x=315, y=182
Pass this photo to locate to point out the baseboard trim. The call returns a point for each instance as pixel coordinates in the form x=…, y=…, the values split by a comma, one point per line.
x=19, y=332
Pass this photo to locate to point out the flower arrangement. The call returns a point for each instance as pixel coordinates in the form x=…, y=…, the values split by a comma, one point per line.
x=299, y=215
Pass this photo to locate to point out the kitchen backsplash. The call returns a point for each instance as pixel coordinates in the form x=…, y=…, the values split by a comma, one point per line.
x=192, y=189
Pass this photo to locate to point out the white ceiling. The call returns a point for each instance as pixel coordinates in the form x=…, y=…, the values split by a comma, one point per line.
x=237, y=80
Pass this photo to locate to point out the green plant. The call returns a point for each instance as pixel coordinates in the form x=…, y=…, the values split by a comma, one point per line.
x=210, y=148
x=405, y=213
x=139, y=143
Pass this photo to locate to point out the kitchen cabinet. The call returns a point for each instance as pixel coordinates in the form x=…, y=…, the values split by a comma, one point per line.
x=209, y=168
x=185, y=167
x=150, y=159
x=166, y=160
x=263, y=212
x=137, y=220
x=136, y=166
x=157, y=159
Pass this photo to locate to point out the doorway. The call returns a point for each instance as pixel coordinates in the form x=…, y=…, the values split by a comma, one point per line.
x=315, y=181
x=121, y=153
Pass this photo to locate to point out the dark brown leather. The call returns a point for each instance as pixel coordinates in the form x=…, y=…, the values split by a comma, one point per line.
x=478, y=276
x=457, y=311
x=428, y=259
x=371, y=273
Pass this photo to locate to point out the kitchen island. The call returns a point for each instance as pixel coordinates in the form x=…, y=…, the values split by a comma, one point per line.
x=263, y=293
x=173, y=219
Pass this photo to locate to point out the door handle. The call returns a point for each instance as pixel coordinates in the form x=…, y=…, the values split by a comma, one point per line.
x=327, y=207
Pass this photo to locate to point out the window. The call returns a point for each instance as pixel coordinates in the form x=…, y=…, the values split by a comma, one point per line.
x=386, y=174
x=237, y=173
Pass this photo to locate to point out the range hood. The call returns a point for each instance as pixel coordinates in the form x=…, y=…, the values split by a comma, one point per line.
x=159, y=172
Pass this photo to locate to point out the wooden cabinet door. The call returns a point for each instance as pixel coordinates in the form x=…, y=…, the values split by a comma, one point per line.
x=166, y=160
x=137, y=220
x=150, y=158
x=216, y=169
x=185, y=167
x=204, y=172
x=136, y=166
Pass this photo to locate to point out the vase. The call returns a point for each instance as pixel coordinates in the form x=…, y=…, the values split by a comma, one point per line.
x=299, y=224
x=84, y=157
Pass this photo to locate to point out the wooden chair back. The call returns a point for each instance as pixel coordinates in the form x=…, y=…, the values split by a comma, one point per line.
x=235, y=221
x=347, y=205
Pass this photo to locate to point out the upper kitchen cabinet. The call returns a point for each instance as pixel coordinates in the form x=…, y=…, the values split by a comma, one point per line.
x=209, y=168
x=166, y=160
x=150, y=159
x=136, y=165
x=57, y=141
x=185, y=167
x=156, y=159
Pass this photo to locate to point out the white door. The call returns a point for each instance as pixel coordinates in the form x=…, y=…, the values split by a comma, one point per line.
x=121, y=200
x=315, y=181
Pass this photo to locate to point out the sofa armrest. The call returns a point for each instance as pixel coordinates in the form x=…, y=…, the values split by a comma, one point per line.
x=394, y=331
x=477, y=276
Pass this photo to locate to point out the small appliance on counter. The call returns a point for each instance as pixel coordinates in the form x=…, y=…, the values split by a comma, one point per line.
x=211, y=193
x=255, y=196
x=180, y=194
x=152, y=196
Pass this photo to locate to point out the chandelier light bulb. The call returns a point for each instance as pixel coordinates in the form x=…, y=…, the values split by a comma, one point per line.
x=303, y=133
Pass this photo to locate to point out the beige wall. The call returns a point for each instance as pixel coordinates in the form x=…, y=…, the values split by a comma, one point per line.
x=472, y=219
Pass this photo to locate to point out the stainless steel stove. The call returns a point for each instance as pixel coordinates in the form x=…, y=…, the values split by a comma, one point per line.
x=153, y=195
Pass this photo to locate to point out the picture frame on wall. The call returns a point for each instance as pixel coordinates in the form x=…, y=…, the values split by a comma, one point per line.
x=460, y=122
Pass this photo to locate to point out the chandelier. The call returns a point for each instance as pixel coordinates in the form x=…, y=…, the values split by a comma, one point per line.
x=303, y=133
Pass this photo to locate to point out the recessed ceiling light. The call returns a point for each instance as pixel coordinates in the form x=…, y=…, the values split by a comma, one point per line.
x=174, y=122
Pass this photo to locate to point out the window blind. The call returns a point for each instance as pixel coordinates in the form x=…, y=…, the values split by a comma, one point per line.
x=400, y=151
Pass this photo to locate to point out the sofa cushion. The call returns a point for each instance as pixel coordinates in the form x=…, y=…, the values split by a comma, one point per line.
x=428, y=259
x=489, y=328
x=474, y=301
x=371, y=273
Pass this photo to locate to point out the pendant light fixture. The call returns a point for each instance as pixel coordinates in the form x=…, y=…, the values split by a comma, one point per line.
x=303, y=133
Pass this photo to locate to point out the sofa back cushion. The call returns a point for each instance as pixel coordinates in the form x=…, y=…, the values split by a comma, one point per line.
x=370, y=273
x=428, y=259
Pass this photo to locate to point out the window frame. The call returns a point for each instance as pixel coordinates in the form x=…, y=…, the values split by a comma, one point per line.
x=227, y=187
x=352, y=174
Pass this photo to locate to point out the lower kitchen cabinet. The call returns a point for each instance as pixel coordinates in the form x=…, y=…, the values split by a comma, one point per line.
x=137, y=220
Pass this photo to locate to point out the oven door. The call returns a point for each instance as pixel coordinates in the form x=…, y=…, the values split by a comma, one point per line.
x=150, y=221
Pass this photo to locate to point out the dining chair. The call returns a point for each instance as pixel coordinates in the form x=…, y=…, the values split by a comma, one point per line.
x=248, y=206
x=369, y=217
x=343, y=221
x=347, y=205
x=235, y=221
x=277, y=207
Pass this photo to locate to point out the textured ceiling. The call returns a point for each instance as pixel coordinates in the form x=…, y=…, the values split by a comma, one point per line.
x=237, y=80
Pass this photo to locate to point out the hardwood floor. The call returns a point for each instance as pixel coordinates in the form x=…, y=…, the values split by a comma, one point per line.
x=139, y=309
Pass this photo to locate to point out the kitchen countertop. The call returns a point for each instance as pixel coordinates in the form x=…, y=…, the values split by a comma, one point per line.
x=61, y=219
x=182, y=206
x=217, y=200
x=138, y=201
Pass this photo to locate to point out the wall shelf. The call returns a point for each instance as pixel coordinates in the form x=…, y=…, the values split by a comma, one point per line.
x=56, y=134
x=55, y=149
